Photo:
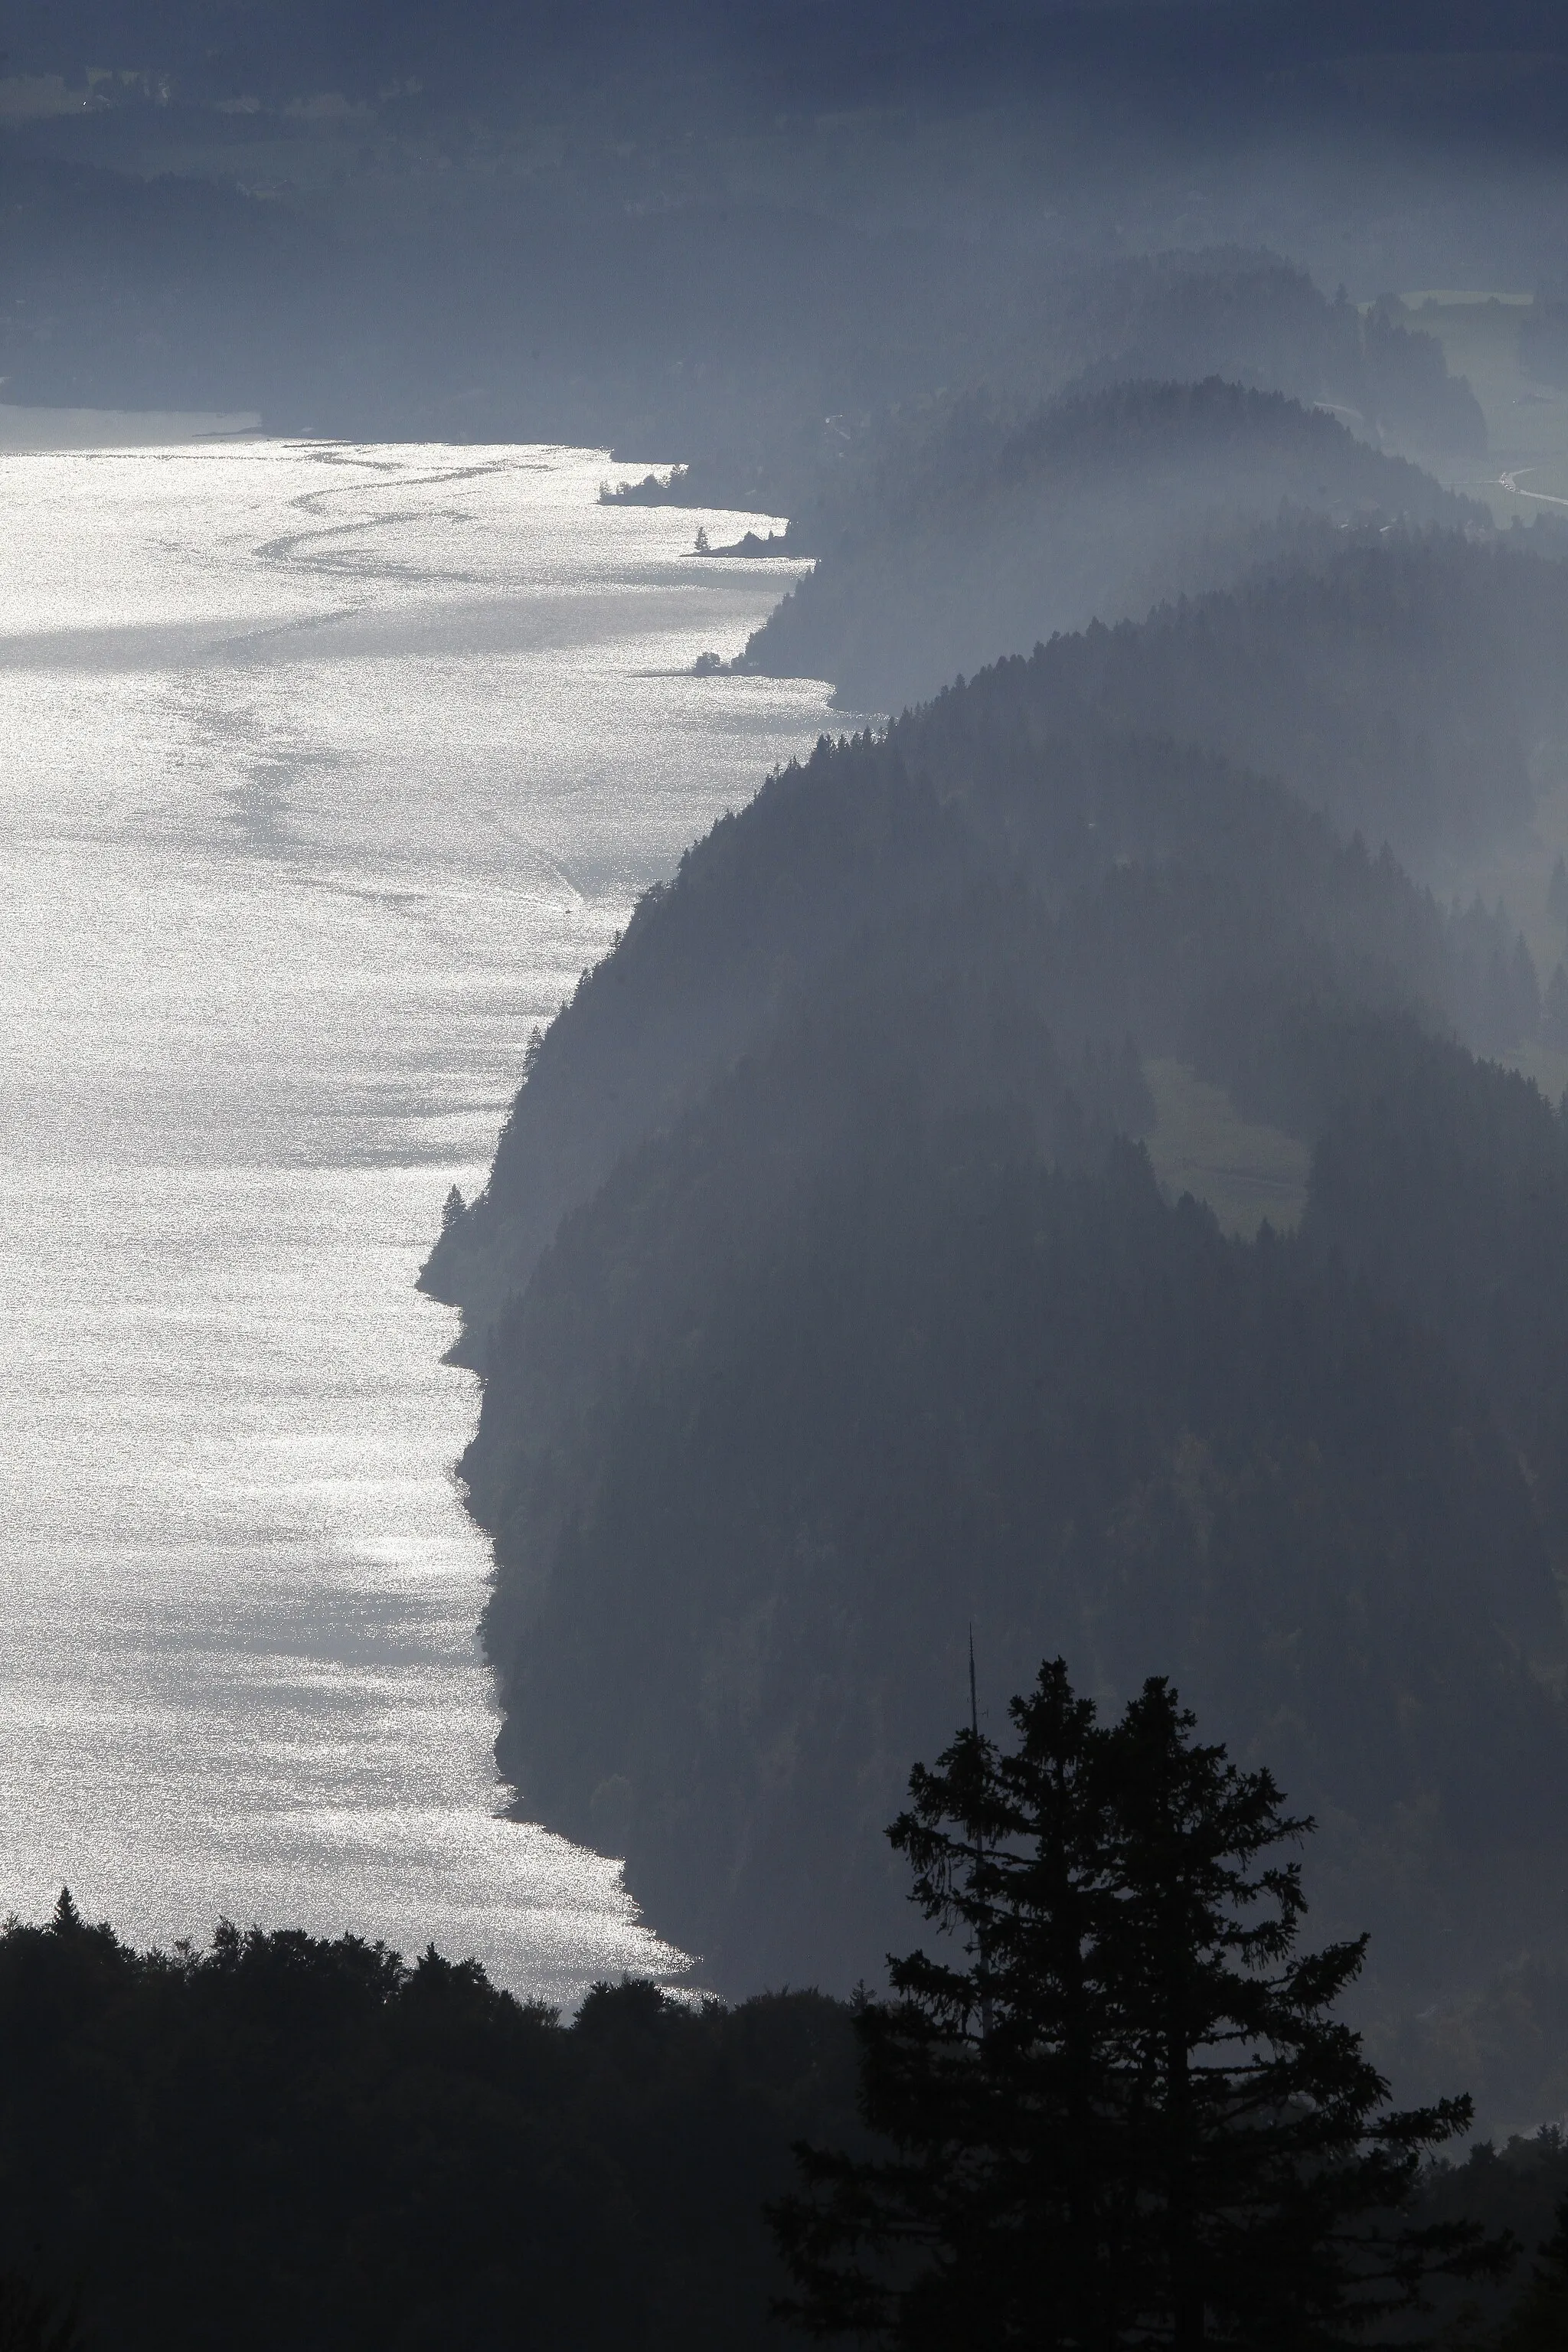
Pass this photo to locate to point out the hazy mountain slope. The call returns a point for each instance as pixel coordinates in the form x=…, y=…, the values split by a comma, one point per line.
x=1330, y=681
x=1257, y=318
x=838, y=1365
x=1194, y=907
x=1403, y=683
x=163, y=292
x=998, y=533
x=699, y=974
x=1135, y=329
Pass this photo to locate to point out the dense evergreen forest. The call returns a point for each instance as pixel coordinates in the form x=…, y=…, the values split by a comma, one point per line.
x=827, y=1304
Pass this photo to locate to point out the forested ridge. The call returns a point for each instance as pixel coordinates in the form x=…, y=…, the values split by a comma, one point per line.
x=990, y=529
x=1409, y=684
x=827, y=1304
x=1257, y=319
x=1167, y=347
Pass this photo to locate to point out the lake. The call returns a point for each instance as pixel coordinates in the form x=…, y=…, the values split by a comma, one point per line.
x=325, y=771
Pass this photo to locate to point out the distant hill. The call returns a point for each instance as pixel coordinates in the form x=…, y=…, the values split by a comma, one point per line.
x=694, y=233
x=1251, y=315
x=1140, y=332
x=994, y=531
x=857, y=51
x=168, y=292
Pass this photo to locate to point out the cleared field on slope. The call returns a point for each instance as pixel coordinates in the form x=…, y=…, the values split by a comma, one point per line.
x=1202, y=1144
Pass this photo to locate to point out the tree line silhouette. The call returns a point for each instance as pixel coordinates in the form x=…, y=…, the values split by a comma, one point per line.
x=1108, y=2101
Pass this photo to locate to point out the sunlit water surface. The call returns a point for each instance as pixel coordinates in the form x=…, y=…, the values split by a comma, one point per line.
x=323, y=772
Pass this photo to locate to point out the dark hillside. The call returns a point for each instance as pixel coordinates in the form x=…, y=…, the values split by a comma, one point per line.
x=826, y=1304
x=1445, y=1180
x=841, y=1368
x=935, y=1383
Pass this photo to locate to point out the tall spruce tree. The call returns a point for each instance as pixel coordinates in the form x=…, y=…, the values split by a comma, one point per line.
x=1125, y=2117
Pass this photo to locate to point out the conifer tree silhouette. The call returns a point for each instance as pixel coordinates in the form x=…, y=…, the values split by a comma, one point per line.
x=1158, y=2136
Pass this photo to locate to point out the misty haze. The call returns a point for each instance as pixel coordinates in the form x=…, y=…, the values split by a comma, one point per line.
x=785, y=1085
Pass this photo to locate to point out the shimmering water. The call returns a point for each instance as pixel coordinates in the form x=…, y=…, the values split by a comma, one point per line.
x=323, y=772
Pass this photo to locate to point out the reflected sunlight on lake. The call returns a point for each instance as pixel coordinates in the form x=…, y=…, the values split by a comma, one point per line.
x=327, y=770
